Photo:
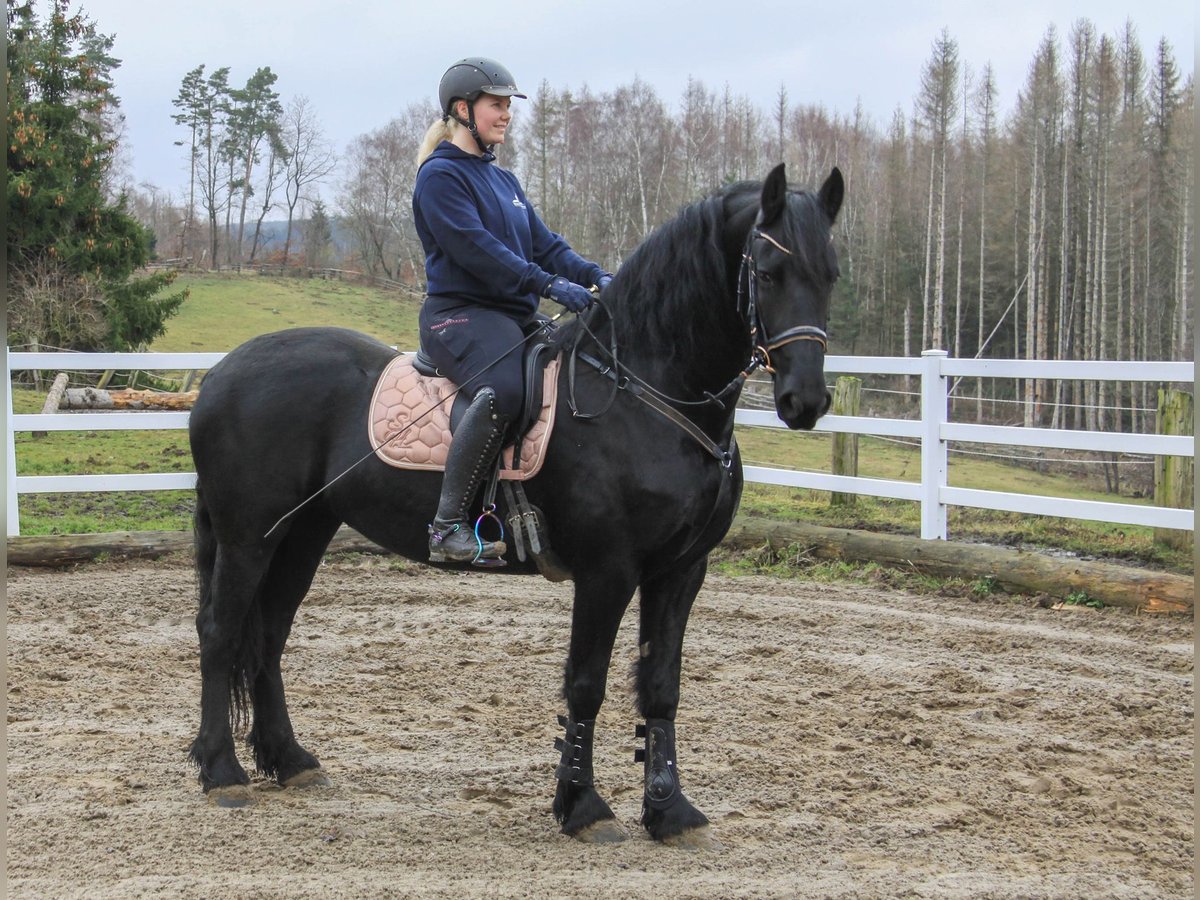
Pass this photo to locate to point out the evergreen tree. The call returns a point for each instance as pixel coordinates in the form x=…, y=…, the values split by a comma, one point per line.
x=191, y=103
x=318, y=233
x=71, y=251
x=254, y=118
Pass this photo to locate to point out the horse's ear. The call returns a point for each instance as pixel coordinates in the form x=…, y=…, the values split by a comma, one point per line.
x=832, y=192
x=774, y=196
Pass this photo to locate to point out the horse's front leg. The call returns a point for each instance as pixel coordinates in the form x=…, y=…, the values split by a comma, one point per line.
x=666, y=602
x=600, y=602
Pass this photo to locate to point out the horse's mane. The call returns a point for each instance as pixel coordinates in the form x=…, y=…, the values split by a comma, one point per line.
x=674, y=291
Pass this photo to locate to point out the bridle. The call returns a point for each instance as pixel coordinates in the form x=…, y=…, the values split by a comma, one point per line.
x=761, y=342
x=760, y=357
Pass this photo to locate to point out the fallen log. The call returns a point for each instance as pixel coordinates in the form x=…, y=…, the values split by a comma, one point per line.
x=53, y=398
x=1018, y=571
x=126, y=398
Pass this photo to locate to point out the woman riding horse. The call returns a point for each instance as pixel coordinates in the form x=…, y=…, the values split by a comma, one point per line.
x=488, y=259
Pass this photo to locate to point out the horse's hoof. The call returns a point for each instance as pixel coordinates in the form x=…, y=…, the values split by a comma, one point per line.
x=606, y=831
x=693, y=839
x=307, y=778
x=233, y=796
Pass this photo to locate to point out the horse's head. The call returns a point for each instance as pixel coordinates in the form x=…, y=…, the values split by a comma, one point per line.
x=789, y=269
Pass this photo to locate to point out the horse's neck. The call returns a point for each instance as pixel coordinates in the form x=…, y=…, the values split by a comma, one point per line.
x=702, y=364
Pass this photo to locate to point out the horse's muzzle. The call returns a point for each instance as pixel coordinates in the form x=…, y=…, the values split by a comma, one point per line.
x=800, y=410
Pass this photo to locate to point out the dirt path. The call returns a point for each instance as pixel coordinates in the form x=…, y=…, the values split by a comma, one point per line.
x=845, y=742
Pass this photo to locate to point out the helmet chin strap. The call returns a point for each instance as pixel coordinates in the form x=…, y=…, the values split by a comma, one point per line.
x=470, y=126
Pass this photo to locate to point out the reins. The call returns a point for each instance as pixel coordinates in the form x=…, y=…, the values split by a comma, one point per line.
x=762, y=345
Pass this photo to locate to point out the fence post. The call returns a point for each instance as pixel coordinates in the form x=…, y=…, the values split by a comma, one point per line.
x=35, y=347
x=846, y=393
x=933, y=448
x=1174, y=475
x=12, y=520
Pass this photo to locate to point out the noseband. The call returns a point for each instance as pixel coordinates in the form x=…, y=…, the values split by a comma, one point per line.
x=747, y=287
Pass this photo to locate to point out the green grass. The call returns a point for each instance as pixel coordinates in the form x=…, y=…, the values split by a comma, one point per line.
x=223, y=311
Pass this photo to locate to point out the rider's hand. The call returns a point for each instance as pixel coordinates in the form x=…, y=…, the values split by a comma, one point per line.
x=603, y=281
x=569, y=294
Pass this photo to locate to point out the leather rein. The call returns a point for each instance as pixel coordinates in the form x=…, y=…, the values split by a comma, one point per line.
x=760, y=357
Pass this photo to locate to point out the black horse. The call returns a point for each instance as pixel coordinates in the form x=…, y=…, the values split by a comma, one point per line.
x=634, y=499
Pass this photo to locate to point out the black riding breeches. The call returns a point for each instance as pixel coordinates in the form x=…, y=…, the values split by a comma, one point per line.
x=475, y=346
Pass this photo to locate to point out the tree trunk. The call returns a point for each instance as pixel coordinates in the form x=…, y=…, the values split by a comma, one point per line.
x=53, y=398
x=1031, y=281
x=1015, y=570
x=928, y=285
x=94, y=398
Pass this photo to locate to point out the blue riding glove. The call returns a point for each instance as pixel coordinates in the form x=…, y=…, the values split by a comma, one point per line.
x=569, y=294
x=603, y=281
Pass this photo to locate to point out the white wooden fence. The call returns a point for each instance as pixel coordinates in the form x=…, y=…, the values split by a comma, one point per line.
x=933, y=430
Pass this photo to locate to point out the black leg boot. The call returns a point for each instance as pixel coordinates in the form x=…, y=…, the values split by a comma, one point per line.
x=473, y=450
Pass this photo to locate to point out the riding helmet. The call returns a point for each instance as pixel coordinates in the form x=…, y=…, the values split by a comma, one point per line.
x=475, y=75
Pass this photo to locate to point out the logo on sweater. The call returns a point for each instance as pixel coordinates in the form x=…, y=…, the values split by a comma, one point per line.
x=517, y=202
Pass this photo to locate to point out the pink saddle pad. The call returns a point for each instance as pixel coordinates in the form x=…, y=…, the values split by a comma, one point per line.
x=409, y=421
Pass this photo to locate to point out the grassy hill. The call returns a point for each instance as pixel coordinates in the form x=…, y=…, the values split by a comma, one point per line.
x=226, y=310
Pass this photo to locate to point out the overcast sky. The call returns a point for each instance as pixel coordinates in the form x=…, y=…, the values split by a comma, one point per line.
x=360, y=63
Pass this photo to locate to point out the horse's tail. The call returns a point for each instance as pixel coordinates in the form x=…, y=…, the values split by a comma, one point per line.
x=205, y=544
x=248, y=653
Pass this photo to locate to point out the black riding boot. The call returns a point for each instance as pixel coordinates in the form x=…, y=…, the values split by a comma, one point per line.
x=472, y=451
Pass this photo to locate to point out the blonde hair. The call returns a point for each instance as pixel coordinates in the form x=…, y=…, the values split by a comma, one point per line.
x=440, y=130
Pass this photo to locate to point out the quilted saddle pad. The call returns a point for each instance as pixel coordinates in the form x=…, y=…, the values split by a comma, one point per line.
x=409, y=421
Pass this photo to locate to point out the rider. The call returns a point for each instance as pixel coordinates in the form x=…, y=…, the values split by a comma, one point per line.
x=488, y=260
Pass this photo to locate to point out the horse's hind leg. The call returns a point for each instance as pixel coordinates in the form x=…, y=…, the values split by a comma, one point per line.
x=276, y=751
x=227, y=648
x=666, y=602
x=600, y=603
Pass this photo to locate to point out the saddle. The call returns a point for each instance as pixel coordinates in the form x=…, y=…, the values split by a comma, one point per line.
x=411, y=421
x=414, y=411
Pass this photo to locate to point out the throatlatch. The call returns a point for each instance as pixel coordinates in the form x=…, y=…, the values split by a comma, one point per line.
x=575, y=763
x=662, y=774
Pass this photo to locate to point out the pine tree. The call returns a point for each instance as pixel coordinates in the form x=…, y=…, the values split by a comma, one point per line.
x=254, y=118
x=70, y=250
x=190, y=102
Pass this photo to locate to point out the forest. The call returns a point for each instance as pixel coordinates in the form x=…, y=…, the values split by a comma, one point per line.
x=1056, y=224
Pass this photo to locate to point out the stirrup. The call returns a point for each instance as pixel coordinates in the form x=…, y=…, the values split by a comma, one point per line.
x=485, y=558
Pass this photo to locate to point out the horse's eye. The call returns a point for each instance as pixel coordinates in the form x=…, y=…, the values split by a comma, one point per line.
x=764, y=277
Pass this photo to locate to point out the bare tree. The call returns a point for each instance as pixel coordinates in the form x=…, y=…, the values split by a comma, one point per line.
x=272, y=180
x=985, y=99
x=377, y=200
x=937, y=105
x=213, y=108
x=310, y=159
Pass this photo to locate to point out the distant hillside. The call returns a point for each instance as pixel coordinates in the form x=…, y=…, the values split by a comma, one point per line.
x=274, y=234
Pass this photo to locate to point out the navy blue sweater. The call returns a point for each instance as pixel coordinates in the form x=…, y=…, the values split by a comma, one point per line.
x=483, y=241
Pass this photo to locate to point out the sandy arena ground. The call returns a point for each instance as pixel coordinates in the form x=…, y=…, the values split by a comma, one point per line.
x=845, y=741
